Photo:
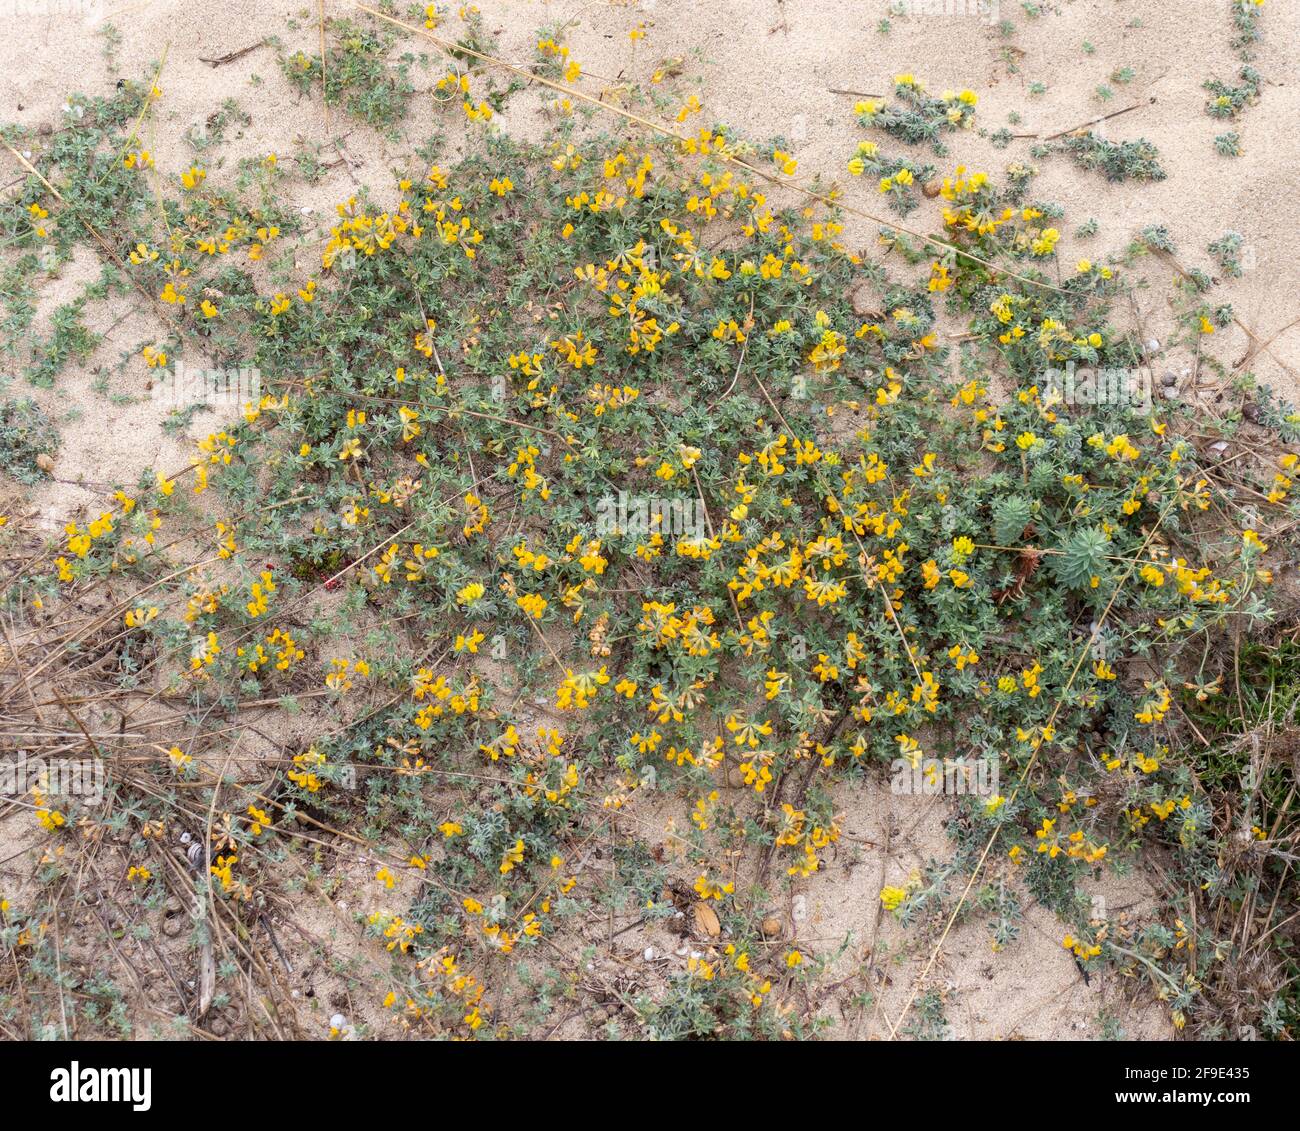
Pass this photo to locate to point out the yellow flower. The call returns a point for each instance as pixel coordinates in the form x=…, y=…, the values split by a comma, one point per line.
x=513, y=856
x=892, y=897
x=469, y=643
x=532, y=604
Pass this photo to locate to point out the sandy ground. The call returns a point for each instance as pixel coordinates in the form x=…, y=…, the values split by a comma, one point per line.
x=768, y=67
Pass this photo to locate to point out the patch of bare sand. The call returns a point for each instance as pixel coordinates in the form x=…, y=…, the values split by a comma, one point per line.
x=1030, y=988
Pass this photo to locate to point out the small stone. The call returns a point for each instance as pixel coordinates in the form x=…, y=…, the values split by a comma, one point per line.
x=932, y=188
x=735, y=778
x=1153, y=345
x=338, y=1021
x=1169, y=379
x=45, y=462
x=771, y=928
x=1169, y=393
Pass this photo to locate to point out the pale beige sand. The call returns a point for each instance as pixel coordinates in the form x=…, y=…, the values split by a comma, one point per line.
x=767, y=68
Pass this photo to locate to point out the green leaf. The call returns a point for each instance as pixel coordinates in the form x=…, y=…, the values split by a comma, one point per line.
x=1010, y=517
x=1083, y=557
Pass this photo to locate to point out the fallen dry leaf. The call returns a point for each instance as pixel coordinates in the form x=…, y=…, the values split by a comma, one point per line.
x=706, y=919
